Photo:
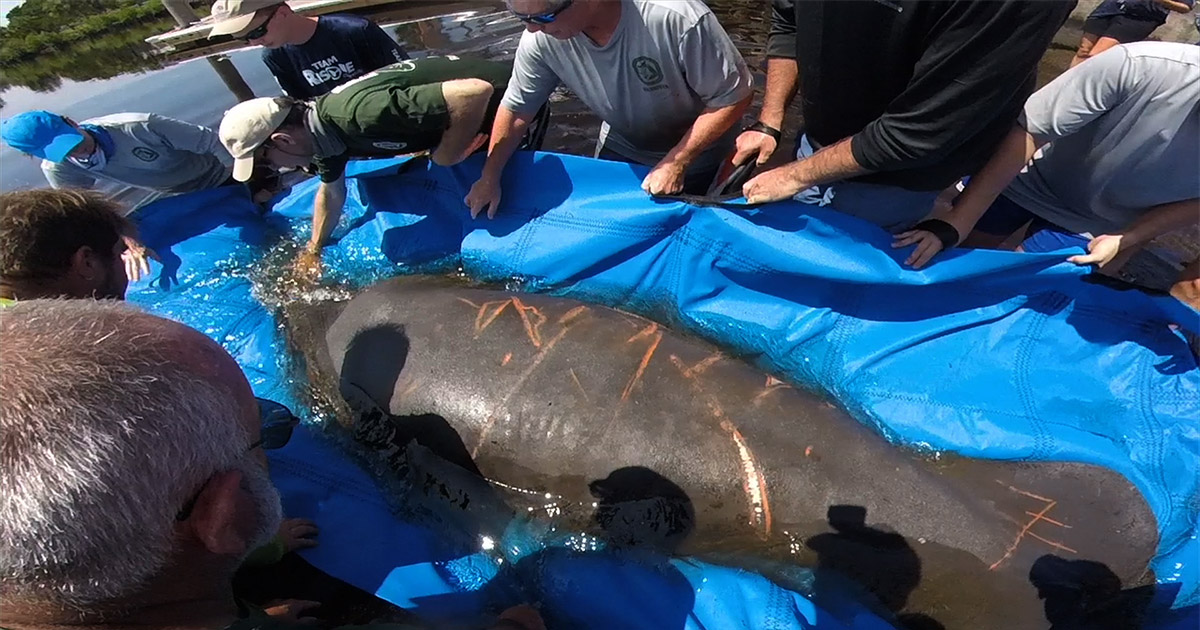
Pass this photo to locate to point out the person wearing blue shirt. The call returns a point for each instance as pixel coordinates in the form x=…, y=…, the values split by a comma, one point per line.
x=1123, y=21
x=309, y=56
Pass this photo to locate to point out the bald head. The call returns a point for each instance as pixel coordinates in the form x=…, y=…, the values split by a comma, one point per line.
x=110, y=420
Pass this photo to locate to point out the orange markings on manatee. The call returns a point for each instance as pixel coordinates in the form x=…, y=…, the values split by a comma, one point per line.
x=652, y=329
x=808, y=450
x=531, y=316
x=771, y=385
x=753, y=483
x=1035, y=517
x=506, y=359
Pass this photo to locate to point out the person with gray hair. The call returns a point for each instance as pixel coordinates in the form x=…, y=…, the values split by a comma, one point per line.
x=134, y=484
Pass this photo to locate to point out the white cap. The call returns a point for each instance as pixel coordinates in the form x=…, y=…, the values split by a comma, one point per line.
x=246, y=126
x=233, y=16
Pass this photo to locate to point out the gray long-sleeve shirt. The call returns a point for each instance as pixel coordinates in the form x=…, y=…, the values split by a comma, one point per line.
x=152, y=152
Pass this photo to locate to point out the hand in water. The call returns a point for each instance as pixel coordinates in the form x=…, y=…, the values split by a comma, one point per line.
x=308, y=266
x=136, y=258
x=298, y=533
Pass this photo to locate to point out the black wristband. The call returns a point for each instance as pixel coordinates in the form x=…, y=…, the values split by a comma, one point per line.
x=944, y=232
x=763, y=127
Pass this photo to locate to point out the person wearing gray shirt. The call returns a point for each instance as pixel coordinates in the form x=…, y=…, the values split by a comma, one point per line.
x=662, y=74
x=147, y=151
x=1118, y=137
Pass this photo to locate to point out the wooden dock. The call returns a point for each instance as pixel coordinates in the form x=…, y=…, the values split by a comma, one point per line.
x=194, y=36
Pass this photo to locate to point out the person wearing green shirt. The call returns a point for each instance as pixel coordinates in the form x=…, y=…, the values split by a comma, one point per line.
x=443, y=105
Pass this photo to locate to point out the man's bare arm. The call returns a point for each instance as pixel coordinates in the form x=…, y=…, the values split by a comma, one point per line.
x=467, y=101
x=331, y=196
x=783, y=76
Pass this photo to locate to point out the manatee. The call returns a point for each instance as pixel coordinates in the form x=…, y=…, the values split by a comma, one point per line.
x=718, y=457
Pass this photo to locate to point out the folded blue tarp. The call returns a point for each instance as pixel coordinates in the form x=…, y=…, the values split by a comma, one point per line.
x=988, y=354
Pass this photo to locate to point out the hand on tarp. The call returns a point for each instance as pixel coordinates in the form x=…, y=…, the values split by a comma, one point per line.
x=137, y=258
x=298, y=533
x=776, y=184
x=930, y=236
x=293, y=610
x=523, y=617
x=1187, y=288
x=1101, y=251
x=665, y=179
x=485, y=193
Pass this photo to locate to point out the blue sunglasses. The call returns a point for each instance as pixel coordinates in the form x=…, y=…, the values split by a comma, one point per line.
x=277, y=424
x=543, y=18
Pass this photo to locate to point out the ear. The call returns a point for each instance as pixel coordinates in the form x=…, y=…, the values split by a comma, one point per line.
x=282, y=138
x=216, y=519
x=85, y=263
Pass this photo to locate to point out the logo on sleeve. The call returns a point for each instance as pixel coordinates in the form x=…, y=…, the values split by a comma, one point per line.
x=389, y=146
x=648, y=71
x=144, y=154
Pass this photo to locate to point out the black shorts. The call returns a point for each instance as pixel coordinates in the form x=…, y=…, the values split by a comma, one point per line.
x=1122, y=28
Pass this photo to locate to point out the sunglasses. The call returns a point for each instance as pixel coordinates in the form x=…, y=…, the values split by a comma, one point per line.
x=277, y=424
x=543, y=18
x=261, y=29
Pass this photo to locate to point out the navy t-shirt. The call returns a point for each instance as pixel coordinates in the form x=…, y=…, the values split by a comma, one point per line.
x=342, y=48
x=1147, y=10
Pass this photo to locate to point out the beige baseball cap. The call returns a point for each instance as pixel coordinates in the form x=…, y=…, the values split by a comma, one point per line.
x=247, y=125
x=233, y=16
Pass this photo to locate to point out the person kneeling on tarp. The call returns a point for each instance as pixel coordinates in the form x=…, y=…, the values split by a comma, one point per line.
x=1117, y=168
x=440, y=104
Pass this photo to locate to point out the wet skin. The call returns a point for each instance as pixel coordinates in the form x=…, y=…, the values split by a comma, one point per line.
x=555, y=394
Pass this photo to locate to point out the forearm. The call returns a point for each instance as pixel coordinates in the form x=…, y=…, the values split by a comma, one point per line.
x=1014, y=153
x=1174, y=5
x=507, y=131
x=833, y=163
x=331, y=196
x=710, y=125
x=783, y=75
x=1160, y=220
x=467, y=101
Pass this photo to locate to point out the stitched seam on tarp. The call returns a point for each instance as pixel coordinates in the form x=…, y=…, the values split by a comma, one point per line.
x=1033, y=332
x=1153, y=431
x=913, y=398
x=337, y=484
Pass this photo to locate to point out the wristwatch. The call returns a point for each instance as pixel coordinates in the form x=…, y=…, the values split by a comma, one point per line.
x=763, y=127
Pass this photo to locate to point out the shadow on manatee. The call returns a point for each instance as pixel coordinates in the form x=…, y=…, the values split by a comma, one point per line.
x=881, y=562
x=638, y=507
x=1083, y=594
x=370, y=369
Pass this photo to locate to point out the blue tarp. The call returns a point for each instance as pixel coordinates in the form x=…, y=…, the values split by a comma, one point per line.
x=988, y=354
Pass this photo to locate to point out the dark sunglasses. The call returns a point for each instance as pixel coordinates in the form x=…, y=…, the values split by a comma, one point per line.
x=543, y=18
x=261, y=29
x=277, y=424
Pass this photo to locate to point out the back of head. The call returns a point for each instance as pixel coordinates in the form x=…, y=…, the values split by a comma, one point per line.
x=40, y=231
x=105, y=432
